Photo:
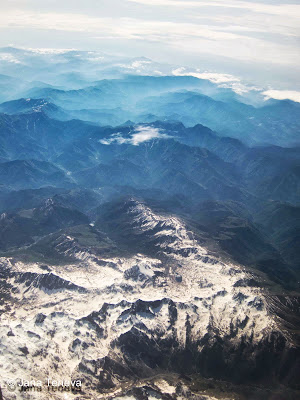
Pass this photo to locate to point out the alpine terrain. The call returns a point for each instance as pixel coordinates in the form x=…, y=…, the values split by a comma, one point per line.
x=149, y=233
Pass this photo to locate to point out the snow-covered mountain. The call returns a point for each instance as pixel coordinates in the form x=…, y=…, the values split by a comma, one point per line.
x=140, y=323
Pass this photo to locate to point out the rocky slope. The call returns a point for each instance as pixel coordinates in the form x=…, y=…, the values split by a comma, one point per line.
x=146, y=324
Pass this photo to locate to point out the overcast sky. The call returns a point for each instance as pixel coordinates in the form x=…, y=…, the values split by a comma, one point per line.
x=256, y=40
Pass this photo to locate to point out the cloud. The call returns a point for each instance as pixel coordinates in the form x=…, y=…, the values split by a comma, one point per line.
x=236, y=30
x=282, y=95
x=252, y=23
x=9, y=58
x=142, y=133
x=188, y=37
x=128, y=28
x=146, y=133
x=222, y=80
x=210, y=76
x=48, y=50
x=138, y=66
x=288, y=10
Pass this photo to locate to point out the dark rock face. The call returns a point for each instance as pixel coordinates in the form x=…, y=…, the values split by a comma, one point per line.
x=46, y=281
x=243, y=364
x=24, y=350
x=135, y=274
x=40, y=318
x=144, y=352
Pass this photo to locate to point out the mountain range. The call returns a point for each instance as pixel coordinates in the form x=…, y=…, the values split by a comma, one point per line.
x=149, y=231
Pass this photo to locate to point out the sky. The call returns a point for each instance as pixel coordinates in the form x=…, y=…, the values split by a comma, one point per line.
x=255, y=40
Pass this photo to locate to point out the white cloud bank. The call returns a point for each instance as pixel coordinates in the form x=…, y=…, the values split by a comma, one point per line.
x=188, y=34
x=282, y=95
x=7, y=57
x=109, y=27
x=222, y=80
x=211, y=76
x=233, y=82
x=141, y=134
x=199, y=33
x=288, y=10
